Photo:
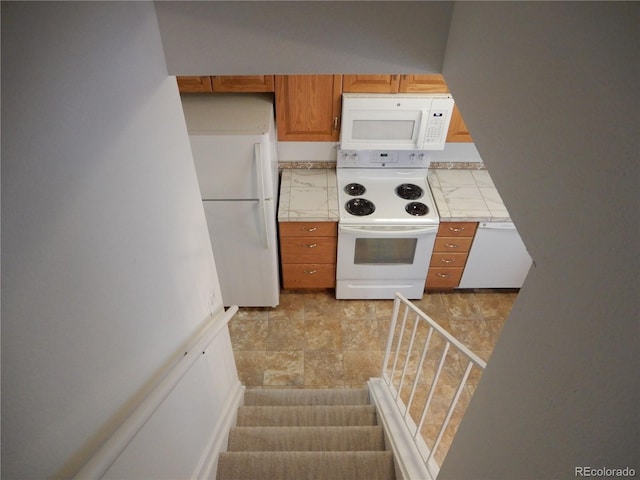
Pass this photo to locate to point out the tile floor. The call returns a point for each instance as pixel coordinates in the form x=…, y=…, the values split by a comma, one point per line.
x=312, y=340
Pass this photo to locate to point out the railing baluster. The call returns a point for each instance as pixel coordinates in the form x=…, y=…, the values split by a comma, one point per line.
x=414, y=430
x=406, y=360
x=419, y=370
x=452, y=407
x=432, y=389
x=400, y=335
x=392, y=330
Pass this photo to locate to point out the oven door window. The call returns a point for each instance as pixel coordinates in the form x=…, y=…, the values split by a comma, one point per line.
x=385, y=251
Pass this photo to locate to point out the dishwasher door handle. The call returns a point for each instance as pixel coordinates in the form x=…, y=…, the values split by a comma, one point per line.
x=497, y=226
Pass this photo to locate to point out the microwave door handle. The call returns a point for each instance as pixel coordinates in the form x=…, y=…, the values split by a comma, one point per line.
x=424, y=119
x=264, y=234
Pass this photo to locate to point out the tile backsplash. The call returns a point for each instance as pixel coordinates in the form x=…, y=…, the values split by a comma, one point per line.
x=323, y=155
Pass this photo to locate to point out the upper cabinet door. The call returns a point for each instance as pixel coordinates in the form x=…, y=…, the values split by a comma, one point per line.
x=422, y=84
x=308, y=107
x=458, y=131
x=243, y=83
x=370, y=83
x=194, y=84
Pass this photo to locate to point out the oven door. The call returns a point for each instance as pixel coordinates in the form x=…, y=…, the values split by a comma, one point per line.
x=377, y=261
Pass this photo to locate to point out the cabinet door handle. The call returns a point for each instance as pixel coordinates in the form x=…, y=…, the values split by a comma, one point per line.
x=311, y=245
x=312, y=229
x=335, y=123
x=452, y=245
x=448, y=260
x=310, y=272
x=442, y=275
x=456, y=229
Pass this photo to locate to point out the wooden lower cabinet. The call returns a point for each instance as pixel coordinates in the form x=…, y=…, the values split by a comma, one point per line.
x=450, y=253
x=308, y=252
x=443, y=277
x=308, y=275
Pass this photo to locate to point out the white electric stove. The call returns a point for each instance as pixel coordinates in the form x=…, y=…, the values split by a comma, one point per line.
x=387, y=225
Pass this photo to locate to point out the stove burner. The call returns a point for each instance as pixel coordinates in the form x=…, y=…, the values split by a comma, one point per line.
x=355, y=189
x=417, y=209
x=360, y=207
x=409, y=191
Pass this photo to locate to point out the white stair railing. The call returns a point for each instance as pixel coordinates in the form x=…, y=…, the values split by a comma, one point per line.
x=424, y=367
x=103, y=458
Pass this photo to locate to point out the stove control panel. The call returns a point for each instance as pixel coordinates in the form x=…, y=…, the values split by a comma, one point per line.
x=383, y=159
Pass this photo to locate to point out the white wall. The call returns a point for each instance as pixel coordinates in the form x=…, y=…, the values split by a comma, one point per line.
x=562, y=384
x=550, y=93
x=240, y=38
x=106, y=265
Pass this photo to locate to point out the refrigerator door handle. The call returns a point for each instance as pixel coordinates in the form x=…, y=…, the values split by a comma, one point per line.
x=264, y=236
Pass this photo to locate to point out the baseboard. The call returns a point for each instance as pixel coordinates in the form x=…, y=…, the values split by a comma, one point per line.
x=208, y=464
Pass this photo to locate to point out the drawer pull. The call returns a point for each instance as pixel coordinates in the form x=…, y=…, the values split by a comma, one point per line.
x=456, y=229
x=448, y=260
x=443, y=275
x=312, y=229
x=309, y=272
x=311, y=245
x=452, y=245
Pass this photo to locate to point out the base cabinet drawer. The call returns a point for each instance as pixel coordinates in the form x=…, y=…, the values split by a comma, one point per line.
x=444, y=277
x=308, y=229
x=457, y=229
x=452, y=244
x=308, y=252
x=309, y=275
x=308, y=249
x=450, y=253
x=448, y=260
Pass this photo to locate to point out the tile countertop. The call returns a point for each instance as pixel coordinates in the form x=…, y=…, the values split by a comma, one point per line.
x=466, y=195
x=308, y=195
x=311, y=195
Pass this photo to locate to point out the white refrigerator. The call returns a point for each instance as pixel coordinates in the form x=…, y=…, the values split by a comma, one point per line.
x=234, y=146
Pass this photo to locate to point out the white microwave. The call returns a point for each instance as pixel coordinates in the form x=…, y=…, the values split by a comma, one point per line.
x=395, y=121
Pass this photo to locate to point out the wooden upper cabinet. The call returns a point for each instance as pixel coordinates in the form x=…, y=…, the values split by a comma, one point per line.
x=394, y=84
x=422, y=84
x=243, y=83
x=458, y=131
x=222, y=83
x=308, y=107
x=370, y=83
x=194, y=84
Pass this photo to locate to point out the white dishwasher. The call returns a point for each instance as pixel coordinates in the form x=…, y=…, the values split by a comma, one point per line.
x=497, y=259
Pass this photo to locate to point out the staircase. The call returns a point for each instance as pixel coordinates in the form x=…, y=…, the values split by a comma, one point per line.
x=306, y=434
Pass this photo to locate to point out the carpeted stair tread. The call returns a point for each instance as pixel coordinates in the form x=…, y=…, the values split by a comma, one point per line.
x=307, y=416
x=306, y=465
x=306, y=439
x=306, y=397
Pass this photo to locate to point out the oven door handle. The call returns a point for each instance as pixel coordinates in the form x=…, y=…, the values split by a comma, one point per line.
x=390, y=233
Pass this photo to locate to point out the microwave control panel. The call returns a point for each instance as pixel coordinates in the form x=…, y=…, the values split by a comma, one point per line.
x=438, y=121
x=435, y=126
